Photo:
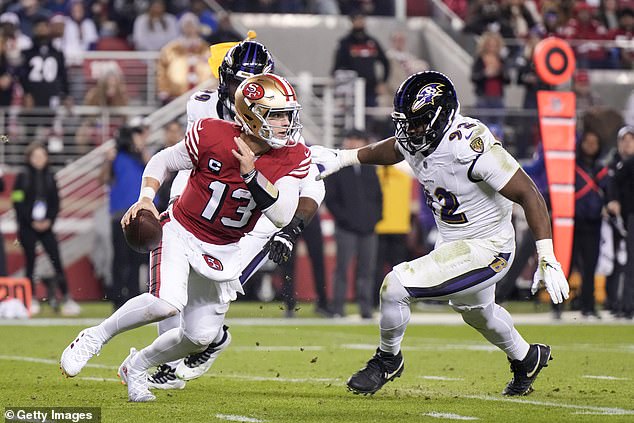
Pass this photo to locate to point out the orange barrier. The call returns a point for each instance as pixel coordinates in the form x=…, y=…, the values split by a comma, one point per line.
x=19, y=288
x=557, y=124
x=555, y=63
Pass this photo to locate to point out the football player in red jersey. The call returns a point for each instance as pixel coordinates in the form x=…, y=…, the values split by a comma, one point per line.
x=238, y=173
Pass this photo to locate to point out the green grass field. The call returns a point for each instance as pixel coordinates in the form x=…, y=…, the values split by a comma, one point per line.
x=295, y=371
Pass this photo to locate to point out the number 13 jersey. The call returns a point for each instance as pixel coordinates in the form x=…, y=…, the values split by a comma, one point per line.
x=216, y=205
x=462, y=178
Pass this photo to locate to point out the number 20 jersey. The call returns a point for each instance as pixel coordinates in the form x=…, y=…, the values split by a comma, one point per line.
x=462, y=178
x=216, y=205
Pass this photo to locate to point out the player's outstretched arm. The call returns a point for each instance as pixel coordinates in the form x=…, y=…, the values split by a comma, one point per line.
x=378, y=153
x=523, y=191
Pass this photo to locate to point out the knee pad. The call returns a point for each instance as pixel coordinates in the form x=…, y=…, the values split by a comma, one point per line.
x=474, y=316
x=392, y=290
x=202, y=336
x=158, y=309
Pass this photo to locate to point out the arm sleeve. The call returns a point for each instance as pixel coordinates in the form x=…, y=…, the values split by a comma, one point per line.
x=309, y=187
x=495, y=167
x=282, y=211
x=53, y=206
x=169, y=159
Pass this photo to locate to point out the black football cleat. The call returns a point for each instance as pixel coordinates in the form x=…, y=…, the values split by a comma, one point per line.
x=381, y=369
x=525, y=371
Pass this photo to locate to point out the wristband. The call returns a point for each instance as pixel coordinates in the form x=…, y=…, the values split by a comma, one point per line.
x=545, y=248
x=247, y=177
x=147, y=192
x=349, y=157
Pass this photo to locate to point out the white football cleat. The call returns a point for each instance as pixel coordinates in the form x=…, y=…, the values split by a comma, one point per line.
x=195, y=365
x=77, y=354
x=165, y=378
x=136, y=378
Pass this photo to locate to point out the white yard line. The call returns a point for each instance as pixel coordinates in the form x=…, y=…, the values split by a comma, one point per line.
x=444, y=378
x=100, y=379
x=49, y=361
x=450, y=319
x=601, y=377
x=589, y=408
x=234, y=418
x=449, y=416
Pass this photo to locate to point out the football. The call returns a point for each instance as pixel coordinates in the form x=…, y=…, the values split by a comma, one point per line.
x=144, y=232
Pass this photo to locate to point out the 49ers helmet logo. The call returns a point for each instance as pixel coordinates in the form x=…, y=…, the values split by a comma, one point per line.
x=213, y=262
x=253, y=91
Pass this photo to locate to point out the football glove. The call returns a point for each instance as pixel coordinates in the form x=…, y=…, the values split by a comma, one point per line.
x=549, y=273
x=282, y=242
x=332, y=160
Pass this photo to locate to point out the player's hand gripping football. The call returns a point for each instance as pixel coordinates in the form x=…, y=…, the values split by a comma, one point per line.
x=332, y=159
x=283, y=242
x=143, y=203
x=549, y=273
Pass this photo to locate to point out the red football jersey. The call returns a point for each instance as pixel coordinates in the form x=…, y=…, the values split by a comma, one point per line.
x=216, y=205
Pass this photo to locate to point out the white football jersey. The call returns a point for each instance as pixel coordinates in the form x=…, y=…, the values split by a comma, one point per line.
x=462, y=178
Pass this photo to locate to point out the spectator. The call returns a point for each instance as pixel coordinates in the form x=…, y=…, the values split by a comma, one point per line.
x=123, y=170
x=29, y=13
x=402, y=64
x=208, y=22
x=490, y=74
x=43, y=78
x=395, y=225
x=15, y=41
x=360, y=52
x=354, y=198
x=585, y=26
x=519, y=15
x=183, y=63
x=609, y=14
x=621, y=196
x=624, y=150
x=486, y=16
x=154, y=29
x=124, y=13
x=590, y=184
x=80, y=33
x=225, y=32
x=109, y=39
x=6, y=78
x=527, y=129
x=624, y=34
x=35, y=198
x=586, y=98
x=109, y=91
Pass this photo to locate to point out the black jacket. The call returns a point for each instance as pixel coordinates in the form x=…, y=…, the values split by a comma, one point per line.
x=31, y=185
x=355, y=199
x=43, y=74
x=360, y=54
x=622, y=186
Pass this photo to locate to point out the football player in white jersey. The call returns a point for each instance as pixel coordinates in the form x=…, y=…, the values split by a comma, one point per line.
x=243, y=60
x=470, y=183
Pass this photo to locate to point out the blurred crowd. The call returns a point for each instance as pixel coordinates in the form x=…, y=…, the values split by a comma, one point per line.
x=378, y=226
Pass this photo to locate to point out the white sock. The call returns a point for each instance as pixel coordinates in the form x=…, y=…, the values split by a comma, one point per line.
x=395, y=314
x=496, y=325
x=168, y=347
x=136, y=312
x=166, y=325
